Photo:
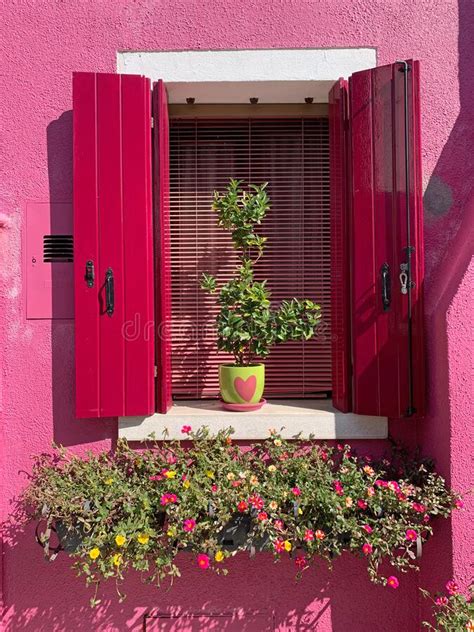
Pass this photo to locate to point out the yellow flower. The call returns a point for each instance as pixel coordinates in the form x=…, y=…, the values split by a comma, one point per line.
x=368, y=470
x=349, y=501
x=277, y=442
x=171, y=532
x=120, y=540
x=186, y=484
x=272, y=468
x=288, y=546
x=219, y=556
x=273, y=505
x=210, y=474
x=143, y=538
x=300, y=511
x=94, y=553
x=117, y=559
x=230, y=476
x=109, y=481
x=170, y=474
x=253, y=480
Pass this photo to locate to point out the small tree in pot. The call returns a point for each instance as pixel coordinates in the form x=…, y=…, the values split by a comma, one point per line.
x=247, y=325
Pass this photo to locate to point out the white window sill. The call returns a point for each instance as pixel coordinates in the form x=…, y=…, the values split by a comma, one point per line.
x=294, y=418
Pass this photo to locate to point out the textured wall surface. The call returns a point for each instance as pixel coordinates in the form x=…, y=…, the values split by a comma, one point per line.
x=41, y=44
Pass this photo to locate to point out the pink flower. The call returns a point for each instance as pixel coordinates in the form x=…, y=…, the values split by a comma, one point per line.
x=242, y=506
x=452, y=587
x=296, y=491
x=394, y=486
x=186, y=429
x=370, y=491
x=441, y=601
x=300, y=561
x=214, y=488
x=203, y=561
x=362, y=504
x=168, y=499
x=324, y=455
x=189, y=525
x=426, y=518
x=380, y=483
x=340, y=447
x=338, y=488
x=419, y=507
x=393, y=582
x=367, y=548
x=308, y=535
x=459, y=504
x=411, y=535
x=279, y=546
x=236, y=483
x=262, y=515
x=155, y=477
x=401, y=497
x=367, y=528
x=279, y=525
x=256, y=501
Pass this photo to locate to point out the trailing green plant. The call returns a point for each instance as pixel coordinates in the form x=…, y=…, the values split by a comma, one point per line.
x=453, y=611
x=140, y=509
x=247, y=325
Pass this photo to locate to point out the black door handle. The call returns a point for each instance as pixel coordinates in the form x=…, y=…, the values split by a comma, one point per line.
x=90, y=275
x=386, y=289
x=109, y=292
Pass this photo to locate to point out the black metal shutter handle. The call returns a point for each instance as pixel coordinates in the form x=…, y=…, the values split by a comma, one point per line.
x=386, y=289
x=90, y=275
x=109, y=292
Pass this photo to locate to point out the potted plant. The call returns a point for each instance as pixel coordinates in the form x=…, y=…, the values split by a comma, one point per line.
x=247, y=324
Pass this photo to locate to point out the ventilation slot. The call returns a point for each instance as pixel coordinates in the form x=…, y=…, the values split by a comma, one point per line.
x=57, y=248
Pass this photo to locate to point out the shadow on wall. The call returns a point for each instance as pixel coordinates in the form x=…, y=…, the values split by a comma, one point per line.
x=67, y=429
x=449, y=223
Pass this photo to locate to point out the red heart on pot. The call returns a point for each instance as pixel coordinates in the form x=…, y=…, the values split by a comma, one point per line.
x=245, y=388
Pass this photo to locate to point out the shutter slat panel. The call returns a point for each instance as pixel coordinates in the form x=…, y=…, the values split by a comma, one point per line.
x=293, y=155
x=86, y=244
x=109, y=173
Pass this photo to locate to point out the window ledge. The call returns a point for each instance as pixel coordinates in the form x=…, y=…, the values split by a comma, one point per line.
x=296, y=418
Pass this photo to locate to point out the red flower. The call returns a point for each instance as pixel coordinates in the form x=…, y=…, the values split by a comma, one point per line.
x=189, y=525
x=262, y=515
x=411, y=535
x=401, y=497
x=452, y=587
x=300, y=561
x=367, y=548
x=362, y=504
x=393, y=582
x=203, y=561
x=367, y=528
x=320, y=535
x=214, y=488
x=256, y=501
x=419, y=507
x=296, y=491
x=236, y=483
x=186, y=429
x=242, y=506
x=309, y=535
x=279, y=546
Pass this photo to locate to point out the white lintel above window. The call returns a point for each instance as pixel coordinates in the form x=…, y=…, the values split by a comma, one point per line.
x=295, y=418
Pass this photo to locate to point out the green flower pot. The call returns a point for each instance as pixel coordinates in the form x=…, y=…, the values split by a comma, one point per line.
x=242, y=384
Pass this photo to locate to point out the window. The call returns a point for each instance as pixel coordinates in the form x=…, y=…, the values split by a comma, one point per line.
x=292, y=154
x=374, y=267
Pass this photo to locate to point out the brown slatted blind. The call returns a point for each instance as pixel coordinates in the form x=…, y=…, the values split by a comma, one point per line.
x=293, y=156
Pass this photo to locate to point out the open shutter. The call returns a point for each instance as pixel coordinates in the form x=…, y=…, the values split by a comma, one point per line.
x=162, y=247
x=340, y=244
x=113, y=248
x=386, y=241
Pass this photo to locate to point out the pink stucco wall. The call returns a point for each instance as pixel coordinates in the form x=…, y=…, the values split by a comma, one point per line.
x=41, y=44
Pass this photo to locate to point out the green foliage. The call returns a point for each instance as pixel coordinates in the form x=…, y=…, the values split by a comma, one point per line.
x=453, y=611
x=140, y=509
x=247, y=325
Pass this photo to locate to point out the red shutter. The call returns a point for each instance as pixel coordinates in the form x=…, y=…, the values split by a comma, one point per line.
x=340, y=244
x=114, y=327
x=387, y=336
x=162, y=247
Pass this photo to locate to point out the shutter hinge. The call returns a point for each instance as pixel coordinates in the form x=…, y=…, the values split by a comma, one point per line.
x=152, y=122
x=156, y=371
